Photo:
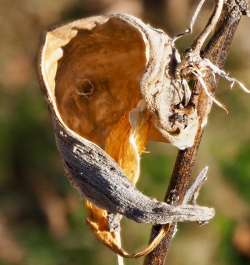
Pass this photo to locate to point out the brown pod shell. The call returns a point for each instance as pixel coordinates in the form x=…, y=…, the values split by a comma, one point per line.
x=93, y=71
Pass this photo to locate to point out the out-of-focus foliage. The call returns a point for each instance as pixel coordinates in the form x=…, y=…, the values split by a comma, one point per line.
x=238, y=170
x=42, y=217
x=229, y=254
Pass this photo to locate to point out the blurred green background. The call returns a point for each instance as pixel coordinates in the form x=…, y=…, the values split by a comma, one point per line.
x=41, y=216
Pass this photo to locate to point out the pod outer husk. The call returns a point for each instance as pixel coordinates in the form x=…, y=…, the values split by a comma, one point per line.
x=98, y=177
x=105, y=172
x=93, y=171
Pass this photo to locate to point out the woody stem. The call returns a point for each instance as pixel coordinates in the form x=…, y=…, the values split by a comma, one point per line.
x=216, y=51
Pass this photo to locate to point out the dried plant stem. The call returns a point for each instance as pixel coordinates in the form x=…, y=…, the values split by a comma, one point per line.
x=216, y=51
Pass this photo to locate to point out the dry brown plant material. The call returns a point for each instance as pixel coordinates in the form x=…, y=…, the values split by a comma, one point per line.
x=112, y=84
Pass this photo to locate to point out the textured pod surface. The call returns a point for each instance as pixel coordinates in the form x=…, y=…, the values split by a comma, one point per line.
x=99, y=178
x=110, y=86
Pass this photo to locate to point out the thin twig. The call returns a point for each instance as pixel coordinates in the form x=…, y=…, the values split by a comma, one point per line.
x=216, y=51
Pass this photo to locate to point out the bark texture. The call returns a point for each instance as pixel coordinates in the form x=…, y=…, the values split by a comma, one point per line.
x=217, y=51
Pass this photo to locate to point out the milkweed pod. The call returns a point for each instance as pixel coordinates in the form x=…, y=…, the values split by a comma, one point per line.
x=110, y=86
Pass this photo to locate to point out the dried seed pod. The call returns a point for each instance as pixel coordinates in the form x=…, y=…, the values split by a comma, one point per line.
x=111, y=87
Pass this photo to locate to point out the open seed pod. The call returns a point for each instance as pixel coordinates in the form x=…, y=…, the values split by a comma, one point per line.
x=109, y=83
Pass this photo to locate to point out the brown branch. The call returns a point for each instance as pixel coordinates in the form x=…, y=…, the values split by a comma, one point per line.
x=217, y=51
